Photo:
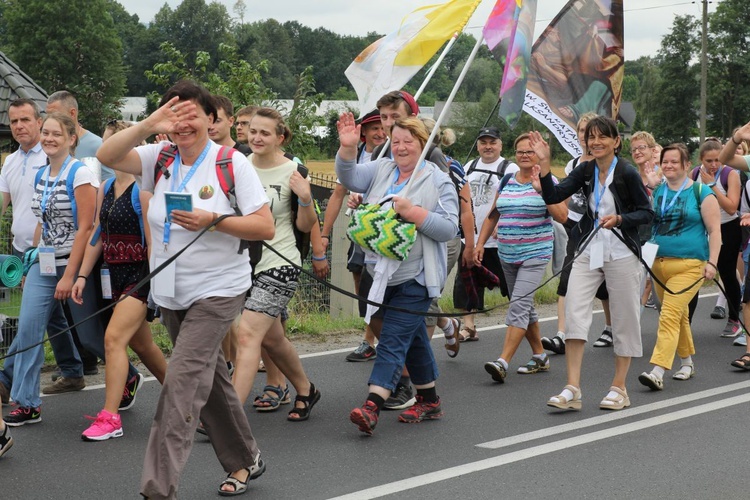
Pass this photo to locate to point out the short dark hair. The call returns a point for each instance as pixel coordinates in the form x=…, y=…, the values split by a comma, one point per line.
x=187, y=90
x=223, y=103
x=19, y=103
x=66, y=98
x=247, y=110
x=606, y=127
x=680, y=148
x=394, y=99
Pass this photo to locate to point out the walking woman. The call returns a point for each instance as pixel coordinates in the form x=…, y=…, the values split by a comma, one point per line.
x=121, y=237
x=525, y=236
x=274, y=280
x=618, y=202
x=724, y=182
x=685, y=213
x=61, y=237
x=431, y=203
x=198, y=302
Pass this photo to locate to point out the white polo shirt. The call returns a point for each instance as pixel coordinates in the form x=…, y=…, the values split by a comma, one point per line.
x=17, y=181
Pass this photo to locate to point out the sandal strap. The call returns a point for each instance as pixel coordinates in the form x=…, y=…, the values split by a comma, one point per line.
x=306, y=399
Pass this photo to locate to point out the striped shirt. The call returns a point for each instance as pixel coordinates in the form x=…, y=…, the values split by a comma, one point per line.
x=524, y=230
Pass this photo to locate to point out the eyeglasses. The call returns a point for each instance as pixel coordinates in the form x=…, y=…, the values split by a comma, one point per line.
x=243, y=123
x=640, y=149
x=524, y=153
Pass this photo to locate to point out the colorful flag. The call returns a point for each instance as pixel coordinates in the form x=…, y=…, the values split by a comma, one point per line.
x=577, y=66
x=509, y=32
x=390, y=62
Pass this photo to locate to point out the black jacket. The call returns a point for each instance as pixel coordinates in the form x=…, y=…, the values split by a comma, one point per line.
x=631, y=199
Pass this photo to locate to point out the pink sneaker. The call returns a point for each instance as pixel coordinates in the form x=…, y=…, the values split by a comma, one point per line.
x=106, y=425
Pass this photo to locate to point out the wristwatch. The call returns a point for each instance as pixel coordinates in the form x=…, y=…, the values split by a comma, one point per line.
x=711, y=185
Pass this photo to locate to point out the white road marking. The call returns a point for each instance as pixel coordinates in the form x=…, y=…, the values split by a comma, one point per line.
x=611, y=417
x=544, y=449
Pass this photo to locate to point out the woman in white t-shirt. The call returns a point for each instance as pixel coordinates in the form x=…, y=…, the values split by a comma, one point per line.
x=202, y=290
x=274, y=279
x=60, y=238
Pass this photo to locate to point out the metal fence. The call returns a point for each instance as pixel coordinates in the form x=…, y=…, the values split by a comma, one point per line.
x=10, y=298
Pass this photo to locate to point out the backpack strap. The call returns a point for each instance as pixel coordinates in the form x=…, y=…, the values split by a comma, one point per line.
x=98, y=231
x=225, y=174
x=695, y=173
x=472, y=166
x=71, y=190
x=135, y=200
x=503, y=166
x=163, y=161
x=504, y=182
x=724, y=174
x=697, y=192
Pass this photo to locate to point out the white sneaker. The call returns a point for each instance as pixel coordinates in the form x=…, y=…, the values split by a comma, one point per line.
x=740, y=340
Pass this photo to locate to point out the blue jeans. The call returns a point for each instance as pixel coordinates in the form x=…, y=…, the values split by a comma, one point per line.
x=403, y=339
x=39, y=312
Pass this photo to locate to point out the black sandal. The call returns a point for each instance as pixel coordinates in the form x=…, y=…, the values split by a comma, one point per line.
x=309, y=401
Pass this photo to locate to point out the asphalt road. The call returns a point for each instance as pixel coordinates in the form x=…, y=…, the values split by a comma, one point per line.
x=495, y=441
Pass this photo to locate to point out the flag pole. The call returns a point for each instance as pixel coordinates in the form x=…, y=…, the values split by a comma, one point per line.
x=427, y=79
x=435, y=66
x=452, y=96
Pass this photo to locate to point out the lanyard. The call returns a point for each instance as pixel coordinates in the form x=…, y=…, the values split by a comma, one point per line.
x=181, y=187
x=666, y=208
x=46, y=194
x=599, y=193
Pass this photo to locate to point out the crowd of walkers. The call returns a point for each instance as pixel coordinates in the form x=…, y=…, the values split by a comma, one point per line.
x=92, y=217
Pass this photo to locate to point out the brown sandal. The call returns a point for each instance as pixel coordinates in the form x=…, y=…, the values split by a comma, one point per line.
x=454, y=347
x=471, y=334
x=742, y=363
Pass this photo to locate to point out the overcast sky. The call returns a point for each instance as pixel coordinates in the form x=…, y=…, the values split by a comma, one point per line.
x=646, y=21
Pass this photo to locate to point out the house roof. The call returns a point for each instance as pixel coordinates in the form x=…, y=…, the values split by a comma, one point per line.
x=15, y=84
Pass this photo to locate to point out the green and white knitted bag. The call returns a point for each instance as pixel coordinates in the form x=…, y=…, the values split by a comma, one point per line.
x=381, y=231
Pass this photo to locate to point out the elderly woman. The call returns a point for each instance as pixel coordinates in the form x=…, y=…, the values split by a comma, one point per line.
x=431, y=203
x=198, y=302
x=685, y=212
x=618, y=202
x=525, y=236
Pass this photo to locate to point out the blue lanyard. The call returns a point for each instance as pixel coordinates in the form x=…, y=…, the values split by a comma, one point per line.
x=397, y=188
x=599, y=192
x=46, y=194
x=666, y=208
x=181, y=187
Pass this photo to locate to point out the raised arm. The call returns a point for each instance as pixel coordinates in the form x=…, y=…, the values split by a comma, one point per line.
x=728, y=154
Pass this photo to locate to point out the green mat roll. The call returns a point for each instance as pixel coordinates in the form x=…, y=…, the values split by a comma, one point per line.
x=11, y=270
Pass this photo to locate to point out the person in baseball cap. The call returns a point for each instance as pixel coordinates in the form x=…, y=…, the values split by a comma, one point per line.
x=371, y=135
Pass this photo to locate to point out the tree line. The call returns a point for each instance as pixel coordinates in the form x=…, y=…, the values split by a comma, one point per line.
x=101, y=52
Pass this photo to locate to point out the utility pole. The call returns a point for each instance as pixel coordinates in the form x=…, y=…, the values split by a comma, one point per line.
x=704, y=70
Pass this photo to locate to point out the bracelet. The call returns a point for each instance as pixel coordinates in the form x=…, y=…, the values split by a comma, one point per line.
x=318, y=259
x=82, y=276
x=619, y=221
x=213, y=219
x=736, y=142
x=299, y=202
x=712, y=265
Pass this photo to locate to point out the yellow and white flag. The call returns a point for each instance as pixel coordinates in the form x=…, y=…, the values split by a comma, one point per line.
x=390, y=62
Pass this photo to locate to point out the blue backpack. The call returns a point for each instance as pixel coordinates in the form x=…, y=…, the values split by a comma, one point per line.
x=68, y=184
x=134, y=199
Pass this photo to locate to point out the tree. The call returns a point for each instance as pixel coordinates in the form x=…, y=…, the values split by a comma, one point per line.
x=676, y=115
x=729, y=67
x=76, y=49
x=648, y=98
x=193, y=27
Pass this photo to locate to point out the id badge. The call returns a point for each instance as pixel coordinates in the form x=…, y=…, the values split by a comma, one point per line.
x=648, y=252
x=47, y=265
x=106, y=283
x=163, y=283
x=596, y=256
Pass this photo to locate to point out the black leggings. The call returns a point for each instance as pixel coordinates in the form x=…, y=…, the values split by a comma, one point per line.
x=731, y=240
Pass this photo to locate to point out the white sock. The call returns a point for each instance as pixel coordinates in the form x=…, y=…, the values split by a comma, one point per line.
x=612, y=395
x=567, y=395
x=686, y=361
x=561, y=335
x=503, y=362
x=541, y=357
x=449, y=329
x=658, y=371
x=608, y=328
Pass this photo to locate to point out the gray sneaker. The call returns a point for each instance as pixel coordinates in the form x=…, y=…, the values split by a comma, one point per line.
x=740, y=340
x=64, y=384
x=401, y=399
x=363, y=352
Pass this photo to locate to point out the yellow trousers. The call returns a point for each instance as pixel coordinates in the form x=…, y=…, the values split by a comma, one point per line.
x=674, y=334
